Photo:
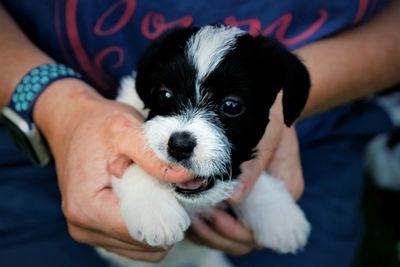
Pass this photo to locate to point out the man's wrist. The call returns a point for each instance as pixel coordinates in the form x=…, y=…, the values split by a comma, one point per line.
x=63, y=102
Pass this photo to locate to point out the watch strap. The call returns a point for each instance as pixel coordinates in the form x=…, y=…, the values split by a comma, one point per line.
x=17, y=116
x=33, y=84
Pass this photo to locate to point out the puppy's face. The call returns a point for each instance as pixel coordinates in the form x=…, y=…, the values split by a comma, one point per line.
x=209, y=92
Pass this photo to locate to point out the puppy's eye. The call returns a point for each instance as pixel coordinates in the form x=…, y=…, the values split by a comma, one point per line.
x=232, y=107
x=165, y=96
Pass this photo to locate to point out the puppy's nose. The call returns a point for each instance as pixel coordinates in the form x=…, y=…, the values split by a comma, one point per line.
x=181, y=145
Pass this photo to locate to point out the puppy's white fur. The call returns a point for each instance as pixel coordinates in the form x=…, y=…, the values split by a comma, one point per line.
x=276, y=220
x=212, y=152
x=156, y=214
x=128, y=95
x=150, y=209
x=207, y=48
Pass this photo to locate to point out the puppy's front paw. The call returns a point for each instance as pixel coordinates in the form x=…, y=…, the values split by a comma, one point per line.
x=276, y=220
x=282, y=228
x=160, y=224
x=150, y=209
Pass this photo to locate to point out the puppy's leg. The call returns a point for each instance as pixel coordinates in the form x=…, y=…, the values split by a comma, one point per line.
x=149, y=208
x=276, y=220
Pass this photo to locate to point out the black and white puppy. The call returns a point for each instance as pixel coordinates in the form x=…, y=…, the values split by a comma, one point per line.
x=206, y=93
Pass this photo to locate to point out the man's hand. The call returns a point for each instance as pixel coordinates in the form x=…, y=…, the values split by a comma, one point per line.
x=93, y=139
x=278, y=153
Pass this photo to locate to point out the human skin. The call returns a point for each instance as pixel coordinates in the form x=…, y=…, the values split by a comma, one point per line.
x=82, y=126
x=356, y=63
x=76, y=121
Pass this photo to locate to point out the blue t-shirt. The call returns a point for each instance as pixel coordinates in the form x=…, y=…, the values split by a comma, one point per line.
x=103, y=39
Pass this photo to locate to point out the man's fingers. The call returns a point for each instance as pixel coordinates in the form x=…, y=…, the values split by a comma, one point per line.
x=252, y=169
x=117, y=166
x=146, y=159
x=137, y=255
x=208, y=237
x=131, y=142
x=286, y=164
x=95, y=238
x=109, y=223
x=231, y=228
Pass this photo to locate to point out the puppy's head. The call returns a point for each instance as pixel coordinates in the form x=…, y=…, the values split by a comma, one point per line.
x=209, y=91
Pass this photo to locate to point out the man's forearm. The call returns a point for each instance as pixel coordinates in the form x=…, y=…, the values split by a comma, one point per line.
x=355, y=63
x=18, y=56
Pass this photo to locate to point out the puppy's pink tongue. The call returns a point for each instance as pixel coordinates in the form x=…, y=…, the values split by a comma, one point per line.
x=193, y=184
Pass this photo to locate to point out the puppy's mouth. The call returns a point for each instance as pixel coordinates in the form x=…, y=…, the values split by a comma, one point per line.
x=195, y=186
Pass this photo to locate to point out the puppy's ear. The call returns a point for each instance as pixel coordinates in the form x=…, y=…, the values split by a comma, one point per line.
x=296, y=87
x=284, y=71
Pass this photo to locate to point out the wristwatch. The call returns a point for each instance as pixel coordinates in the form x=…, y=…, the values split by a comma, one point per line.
x=17, y=116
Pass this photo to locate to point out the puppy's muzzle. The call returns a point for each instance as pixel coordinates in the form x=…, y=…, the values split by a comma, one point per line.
x=180, y=147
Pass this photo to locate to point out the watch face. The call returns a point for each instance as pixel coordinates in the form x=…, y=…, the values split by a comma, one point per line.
x=26, y=141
